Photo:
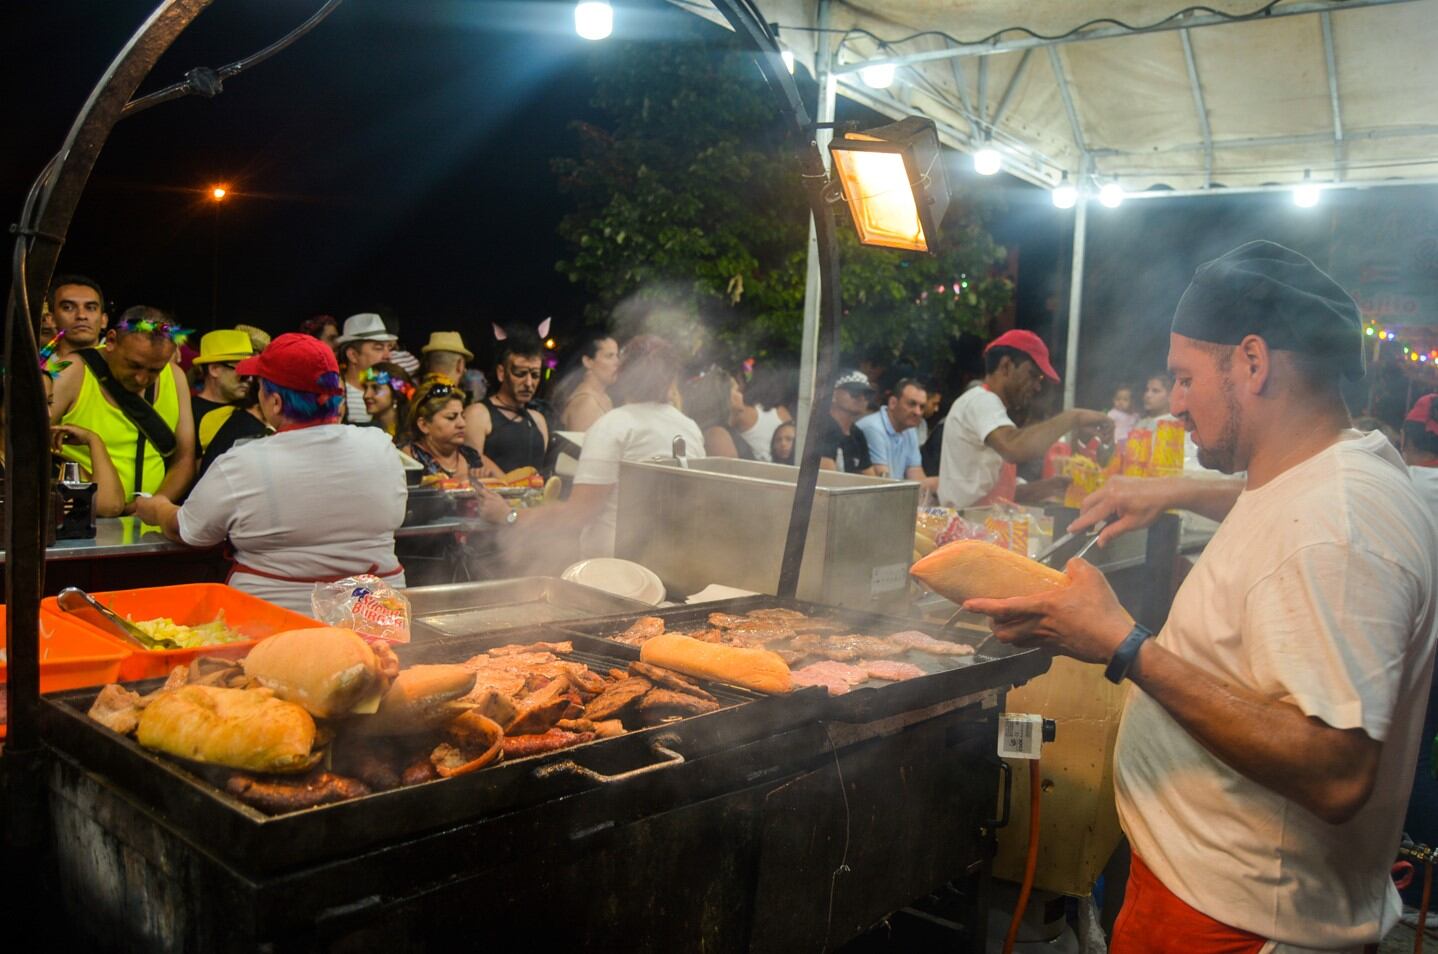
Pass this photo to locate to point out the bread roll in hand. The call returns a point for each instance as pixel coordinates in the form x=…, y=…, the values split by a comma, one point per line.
x=975, y=569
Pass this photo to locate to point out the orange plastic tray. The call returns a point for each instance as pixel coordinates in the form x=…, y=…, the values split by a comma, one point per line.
x=71, y=656
x=189, y=605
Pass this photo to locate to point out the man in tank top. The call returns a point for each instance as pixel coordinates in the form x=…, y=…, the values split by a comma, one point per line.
x=503, y=427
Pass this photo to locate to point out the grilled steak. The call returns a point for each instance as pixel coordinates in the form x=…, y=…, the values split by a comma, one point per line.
x=617, y=698
x=889, y=669
x=833, y=676
x=645, y=627
x=660, y=704
x=668, y=679
x=514, y=649
x=924, y=643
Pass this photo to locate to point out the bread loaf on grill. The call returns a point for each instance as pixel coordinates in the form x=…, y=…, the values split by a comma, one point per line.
x=331, y=672
x=245, y=729
x=757, y=669
x=976, y=569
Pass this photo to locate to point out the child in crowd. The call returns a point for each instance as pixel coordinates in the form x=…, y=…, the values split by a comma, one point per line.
x=1122, y=414
x=781, y=445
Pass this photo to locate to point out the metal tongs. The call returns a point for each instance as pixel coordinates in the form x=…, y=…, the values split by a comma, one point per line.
x=1092, y=533
x=72, y=599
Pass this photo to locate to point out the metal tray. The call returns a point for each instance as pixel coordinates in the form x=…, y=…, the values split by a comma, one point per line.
x=469, y=609
x=994, y=665
x=253, y=841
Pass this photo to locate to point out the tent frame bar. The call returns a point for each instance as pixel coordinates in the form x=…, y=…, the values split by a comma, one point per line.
x=1331, y=59
x=1058, y=67
x=1113, y=31
x=1200, y=106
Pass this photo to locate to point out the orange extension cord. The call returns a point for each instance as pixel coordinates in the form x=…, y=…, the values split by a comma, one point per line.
x=1031, y=863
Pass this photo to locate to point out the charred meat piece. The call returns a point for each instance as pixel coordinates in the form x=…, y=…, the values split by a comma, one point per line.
x=617, y=698
x=836, y=677
x=514, y=649
x=117, y=709
x=520, y=746
x=660, y=704
x=278, y=795
x=495, y=705
x=764, y=629
x=538, y=711
x=790, y=656
x=668, y=679
x=372, y=764
x=889, y=669
x=924, y=643
x=645, y=627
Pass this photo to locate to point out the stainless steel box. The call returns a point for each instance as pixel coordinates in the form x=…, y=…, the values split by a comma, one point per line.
x=721, y=520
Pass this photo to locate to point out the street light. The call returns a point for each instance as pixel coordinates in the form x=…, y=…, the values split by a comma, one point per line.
x=593, y=19
x=218, y=193
x=893, y=179
x=987, y=161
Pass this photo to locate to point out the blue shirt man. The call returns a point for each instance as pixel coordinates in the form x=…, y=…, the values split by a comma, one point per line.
x=893, y=437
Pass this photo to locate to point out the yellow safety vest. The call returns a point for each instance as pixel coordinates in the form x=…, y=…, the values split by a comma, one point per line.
x=94, y=412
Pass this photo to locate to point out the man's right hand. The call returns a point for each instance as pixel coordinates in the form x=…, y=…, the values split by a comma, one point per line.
x=1129, y=503
x=1098, y=421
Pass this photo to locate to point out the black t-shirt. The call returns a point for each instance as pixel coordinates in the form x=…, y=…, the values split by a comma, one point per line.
x=853, y=446
x=199, y=407
x=241, y=426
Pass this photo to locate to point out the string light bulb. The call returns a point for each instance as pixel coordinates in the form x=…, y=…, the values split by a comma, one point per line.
x=1305, y=194
x=593, y=19
x=1111, y=195
x=788, y=57
x=1065, y=196
x=987, y=161
x=878, y=75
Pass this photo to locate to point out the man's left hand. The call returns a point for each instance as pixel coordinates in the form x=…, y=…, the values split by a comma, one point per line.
x=1083, y=620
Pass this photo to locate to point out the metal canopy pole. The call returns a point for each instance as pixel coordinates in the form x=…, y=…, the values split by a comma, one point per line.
x=1075, y=299
x=809, y=345
x=750, y=25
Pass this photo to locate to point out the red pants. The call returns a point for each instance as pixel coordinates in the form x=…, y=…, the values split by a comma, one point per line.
x=1154, y=920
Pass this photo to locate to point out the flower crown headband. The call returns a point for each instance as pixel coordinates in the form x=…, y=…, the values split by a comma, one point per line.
x=383, y=378
x=149, y=326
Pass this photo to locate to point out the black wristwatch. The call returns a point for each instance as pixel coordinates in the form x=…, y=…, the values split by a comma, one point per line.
x=1126, y=653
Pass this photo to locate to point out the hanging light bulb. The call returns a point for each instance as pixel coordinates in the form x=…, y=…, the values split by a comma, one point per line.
x=593, y=19
x=1111, y=195
x=1305, y=195
x=788, y=57
x=878, y=75
x=1065, y=196
x=987, y=161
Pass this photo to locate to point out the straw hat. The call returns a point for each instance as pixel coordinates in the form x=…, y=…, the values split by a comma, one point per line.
x=447, y=341
x=225, y=346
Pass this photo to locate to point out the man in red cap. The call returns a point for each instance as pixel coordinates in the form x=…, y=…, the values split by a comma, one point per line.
x=316, y=502
x=982, y=445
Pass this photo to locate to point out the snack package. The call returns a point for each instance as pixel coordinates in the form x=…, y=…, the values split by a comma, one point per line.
x=365, y=604
x=1085, y=476
x=1138, y=452
x=1167, y=458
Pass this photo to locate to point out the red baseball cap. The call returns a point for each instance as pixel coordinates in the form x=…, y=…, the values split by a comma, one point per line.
x=298, y=362
x=1424, y=413
x=1031, y=345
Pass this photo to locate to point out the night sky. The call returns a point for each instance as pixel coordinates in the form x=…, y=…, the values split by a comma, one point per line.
x=398, y=158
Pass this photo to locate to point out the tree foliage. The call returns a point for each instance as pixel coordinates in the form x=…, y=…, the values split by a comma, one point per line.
x=685, y=192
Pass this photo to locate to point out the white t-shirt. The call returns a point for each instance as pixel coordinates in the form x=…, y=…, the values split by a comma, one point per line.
x=355, y=412
x=1318, y=591
x=313, y=503
x=760, y=437
x=632, y=432
x=969, y=468
x=1425, y=480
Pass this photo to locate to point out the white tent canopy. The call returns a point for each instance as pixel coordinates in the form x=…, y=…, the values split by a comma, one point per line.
x=1142, y=93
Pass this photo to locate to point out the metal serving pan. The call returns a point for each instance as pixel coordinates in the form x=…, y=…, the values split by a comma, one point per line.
x=468, y=609
x=253, y=841
x=994, y=665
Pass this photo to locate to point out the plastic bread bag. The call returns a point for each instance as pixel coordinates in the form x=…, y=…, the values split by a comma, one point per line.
x=366, y=604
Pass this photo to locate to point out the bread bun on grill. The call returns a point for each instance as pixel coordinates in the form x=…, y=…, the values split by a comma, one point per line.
x=757, y=669
x=331, y=672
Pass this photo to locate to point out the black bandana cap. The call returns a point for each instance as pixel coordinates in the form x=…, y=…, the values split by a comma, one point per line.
x=1264, y=289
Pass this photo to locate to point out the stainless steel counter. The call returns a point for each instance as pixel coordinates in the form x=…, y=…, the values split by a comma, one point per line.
x=127, y=537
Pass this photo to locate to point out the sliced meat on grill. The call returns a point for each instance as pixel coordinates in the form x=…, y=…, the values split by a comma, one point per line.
x=660, y=704
x=790, y=656
x=812, y=645
x=821, y=626
x=117, y=709
x=645, y=627
x=540, y=710
x=520, y=746
x=777, y=613
x=836, y=677
x=617, y=698
x=514, y=649
x=278, y=795
x=924, y=643
x=668, y=679
x=889, y=669
x=867, y=647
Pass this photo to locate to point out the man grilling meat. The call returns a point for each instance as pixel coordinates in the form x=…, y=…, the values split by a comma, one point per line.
x=1268, y=747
